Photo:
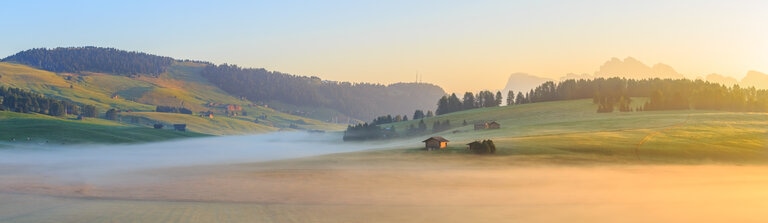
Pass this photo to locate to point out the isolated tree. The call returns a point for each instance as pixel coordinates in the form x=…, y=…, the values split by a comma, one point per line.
x=430, y=114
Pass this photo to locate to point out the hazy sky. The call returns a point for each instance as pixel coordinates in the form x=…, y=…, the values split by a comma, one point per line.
x=459, y=45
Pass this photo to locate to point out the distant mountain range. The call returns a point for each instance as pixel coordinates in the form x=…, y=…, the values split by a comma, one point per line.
x=518, y=82
x=634, y=69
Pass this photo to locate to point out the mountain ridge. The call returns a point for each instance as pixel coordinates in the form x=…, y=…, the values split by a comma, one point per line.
x=632, y=68
x=80, y=62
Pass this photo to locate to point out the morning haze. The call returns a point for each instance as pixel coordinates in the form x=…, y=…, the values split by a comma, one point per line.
x=447, y=44
x=367, y=111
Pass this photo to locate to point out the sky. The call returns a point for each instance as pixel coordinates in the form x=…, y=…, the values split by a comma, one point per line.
x=459, y=45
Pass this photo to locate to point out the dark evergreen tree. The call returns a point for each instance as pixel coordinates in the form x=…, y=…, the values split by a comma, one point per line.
x=92, y=59
x=498, y=99
x=436, y=126
x=442, y=106
x=418, y=114
x=89, y=111
x=520, y=99
x=510, y=98
x=469, y=101
x=422, y=126
x=111, y=114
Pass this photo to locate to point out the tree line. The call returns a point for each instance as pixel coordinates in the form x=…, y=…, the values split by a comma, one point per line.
x=365, y=131
x=170, y=109
x=18, y=100
x=92, y=59
x=359, y=100
x=483, y=99
x=374, y=131
x=611, y=94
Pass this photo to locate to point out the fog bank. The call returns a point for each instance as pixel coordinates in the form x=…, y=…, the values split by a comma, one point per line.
x=70, y=161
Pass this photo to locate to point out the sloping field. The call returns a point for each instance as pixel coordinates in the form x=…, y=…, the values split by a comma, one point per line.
x=17, y=128
x=214, y=126
x=181, y=86
x=556, y=162
x=571, y=131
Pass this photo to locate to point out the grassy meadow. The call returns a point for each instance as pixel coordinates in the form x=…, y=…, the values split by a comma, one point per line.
x=572, y=132
x=41, y=129
x=181, y=85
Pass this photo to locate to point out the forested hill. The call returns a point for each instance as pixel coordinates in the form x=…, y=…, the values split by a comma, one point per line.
x=92, y=59
x=359, y=100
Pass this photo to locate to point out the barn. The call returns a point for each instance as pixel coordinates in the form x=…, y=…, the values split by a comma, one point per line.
x=180, y=127
x=435, y=142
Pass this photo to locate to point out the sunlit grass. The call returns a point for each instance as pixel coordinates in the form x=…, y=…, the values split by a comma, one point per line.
x=571, y=131
x=181, y=86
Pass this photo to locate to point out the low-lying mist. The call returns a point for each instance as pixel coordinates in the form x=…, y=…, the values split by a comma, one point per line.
x=94, y=160
x=192, y=181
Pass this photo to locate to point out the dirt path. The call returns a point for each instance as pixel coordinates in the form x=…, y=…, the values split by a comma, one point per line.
x=654, y=134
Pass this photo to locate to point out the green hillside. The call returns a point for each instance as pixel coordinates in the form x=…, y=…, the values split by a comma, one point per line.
x=180, y=86
x=19, y=128
x=571, y=131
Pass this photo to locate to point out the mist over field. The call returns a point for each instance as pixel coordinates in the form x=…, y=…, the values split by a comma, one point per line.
x=312, y=177
x=93, y=161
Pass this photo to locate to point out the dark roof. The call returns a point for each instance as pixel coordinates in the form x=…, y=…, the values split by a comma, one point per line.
x=494, y=122
x=438, y=138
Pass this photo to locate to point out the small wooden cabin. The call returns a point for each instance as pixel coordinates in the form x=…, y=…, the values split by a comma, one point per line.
x=474, y=146
x=435, y=142
x=479, y=126
x=180, y=127
x=487, y=125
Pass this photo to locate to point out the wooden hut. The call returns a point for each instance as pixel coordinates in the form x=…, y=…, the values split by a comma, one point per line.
x=435, y=142
x=487, y=125
x=180, y=127
x=480, y=126
x=474, y=146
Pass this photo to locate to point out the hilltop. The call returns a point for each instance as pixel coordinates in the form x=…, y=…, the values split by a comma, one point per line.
x=138, y=85
x=138, y=97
